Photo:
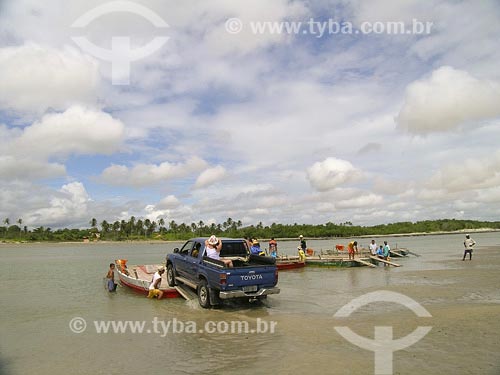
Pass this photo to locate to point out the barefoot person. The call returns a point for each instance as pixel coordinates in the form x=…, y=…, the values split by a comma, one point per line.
x=468, y=244
x=154, y=287
x=111, y=278
x=352, y=248
x=214, y=246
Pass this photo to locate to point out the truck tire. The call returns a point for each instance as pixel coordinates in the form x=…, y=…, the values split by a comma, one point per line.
x=170, y=275
x=203, y=294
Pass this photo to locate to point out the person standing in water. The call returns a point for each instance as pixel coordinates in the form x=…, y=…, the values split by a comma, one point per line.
x=468, y=244
x=373, y=248
x=111, y=278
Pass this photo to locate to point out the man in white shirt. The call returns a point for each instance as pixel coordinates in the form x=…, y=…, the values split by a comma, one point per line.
x=154, y=287
x=373, y=248
x=468, y=244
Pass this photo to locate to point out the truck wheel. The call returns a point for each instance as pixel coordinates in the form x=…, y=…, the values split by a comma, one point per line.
x=170, y=275
x=203, y=294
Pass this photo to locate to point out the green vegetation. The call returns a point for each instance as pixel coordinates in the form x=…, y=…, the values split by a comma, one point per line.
x=138, y=229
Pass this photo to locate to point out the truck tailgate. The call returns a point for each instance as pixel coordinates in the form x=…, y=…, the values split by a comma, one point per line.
x=250, y=280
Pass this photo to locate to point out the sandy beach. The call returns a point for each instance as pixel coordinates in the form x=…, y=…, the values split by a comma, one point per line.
x=462, y=297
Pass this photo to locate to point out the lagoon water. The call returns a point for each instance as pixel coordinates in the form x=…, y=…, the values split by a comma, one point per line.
x=44, y=286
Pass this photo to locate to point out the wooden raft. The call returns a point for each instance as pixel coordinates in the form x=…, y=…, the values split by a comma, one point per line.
x=385, y=261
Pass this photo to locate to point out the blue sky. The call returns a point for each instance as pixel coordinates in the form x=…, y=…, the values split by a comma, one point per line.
x=272, y=127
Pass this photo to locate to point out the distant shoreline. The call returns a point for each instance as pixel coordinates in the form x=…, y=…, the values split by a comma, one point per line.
x=152, y=241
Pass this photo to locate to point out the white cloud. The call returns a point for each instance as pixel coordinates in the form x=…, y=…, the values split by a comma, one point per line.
x=29, y=154
x=269, y=106
x=366, y=200
x=169, y=202
x=468, y=174
x=15, y=168
x=76, y=131
x=150, y=174
x=331, y=173
x=34, y=78
x=70, y=201
x=447, y=99
x=210, y=176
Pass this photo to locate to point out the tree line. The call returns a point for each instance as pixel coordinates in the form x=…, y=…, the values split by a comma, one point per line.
x=146, y=229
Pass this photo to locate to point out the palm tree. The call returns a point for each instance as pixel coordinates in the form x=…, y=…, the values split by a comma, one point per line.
x=173, y=226
x=105, y=227
x=123, y=227
x=147, y=224
x=139, y=227
x=20, y=222
x=132, y=222
x=6, y=222
x=116, y=226
x=161, y=222
x=152, y=227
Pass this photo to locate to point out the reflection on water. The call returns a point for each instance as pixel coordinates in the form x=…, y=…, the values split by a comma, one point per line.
x=43, y=286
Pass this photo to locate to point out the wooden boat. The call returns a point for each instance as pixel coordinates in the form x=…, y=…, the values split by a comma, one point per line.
x=337, y=261
x=289, y=263
x=138, y=278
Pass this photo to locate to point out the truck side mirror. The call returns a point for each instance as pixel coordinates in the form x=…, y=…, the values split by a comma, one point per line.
x=176, y=250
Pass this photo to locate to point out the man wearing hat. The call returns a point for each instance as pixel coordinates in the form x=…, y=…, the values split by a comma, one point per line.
x=303, y=245
x=468, y=244
x=154, y=287
x=255, y=249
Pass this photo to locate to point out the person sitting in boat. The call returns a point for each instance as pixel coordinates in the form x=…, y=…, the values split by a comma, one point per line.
x=111, y=278
x=213, y=247
x=380, y=251
x=273, y=248
x=302, y=254
x=154, y=287
x=255, y=249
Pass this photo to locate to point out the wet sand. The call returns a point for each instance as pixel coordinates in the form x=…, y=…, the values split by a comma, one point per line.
x=464, y=302
x=463, y=299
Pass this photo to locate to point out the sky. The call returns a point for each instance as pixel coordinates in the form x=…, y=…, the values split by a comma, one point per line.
x=209, y=118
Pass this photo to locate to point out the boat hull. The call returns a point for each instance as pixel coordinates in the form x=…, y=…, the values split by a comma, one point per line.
x=289, y=265
x=142, y=286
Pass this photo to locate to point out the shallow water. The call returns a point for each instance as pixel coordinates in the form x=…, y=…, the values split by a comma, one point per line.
x=44, y=286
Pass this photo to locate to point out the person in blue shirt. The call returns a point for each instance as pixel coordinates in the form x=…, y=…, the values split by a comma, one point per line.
x=380, y=251
x=255, y=249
